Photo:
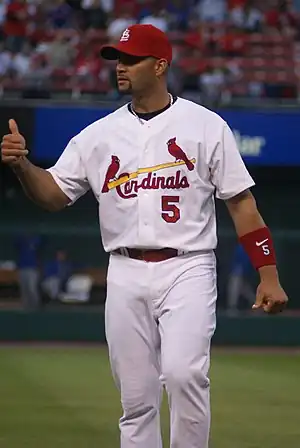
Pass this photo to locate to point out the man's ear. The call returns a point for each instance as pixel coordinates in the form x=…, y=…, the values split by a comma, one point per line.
x=161, y=67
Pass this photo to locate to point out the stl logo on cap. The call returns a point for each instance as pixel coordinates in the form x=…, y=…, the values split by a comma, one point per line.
x=125, y=36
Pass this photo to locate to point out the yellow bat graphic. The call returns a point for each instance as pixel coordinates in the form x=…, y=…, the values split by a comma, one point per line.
x=115, y=183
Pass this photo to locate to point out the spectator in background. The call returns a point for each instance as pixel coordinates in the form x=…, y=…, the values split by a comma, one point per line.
x=204, y=38
x=216, y=80
x=38, y=23
x=60, y=15
x=20, y=62
x=247, y=17
x=195, y=38
x=211, y=83
x=256, y=88
x=28, y=262
x=135, y=6
x=15, y=25
x=121, y=22
x=175, y=79
x=233, y=42
x=37, y=81
x=95, y=16
x=156, y=17
x=34, y=10
x=107, y=6
x=56, y=273
x=212, y=10
x=5, y=59
x=88, y=71
x=191, y=66
x=282, y=18
x=60, y=53
x=179, y=12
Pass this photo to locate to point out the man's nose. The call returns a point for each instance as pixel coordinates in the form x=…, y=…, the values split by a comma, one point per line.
x=121, y=68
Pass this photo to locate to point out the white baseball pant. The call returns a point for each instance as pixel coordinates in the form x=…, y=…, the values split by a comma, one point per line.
x=160, y=318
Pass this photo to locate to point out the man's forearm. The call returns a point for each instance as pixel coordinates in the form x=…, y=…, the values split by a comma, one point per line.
x=268, y=272
x=248, y=221
x=39, y=186
x=245, y=216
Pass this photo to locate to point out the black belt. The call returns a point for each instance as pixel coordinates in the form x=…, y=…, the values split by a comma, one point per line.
x=150, y=255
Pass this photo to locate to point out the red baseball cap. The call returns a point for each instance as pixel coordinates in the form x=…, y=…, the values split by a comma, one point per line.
x=141, y=41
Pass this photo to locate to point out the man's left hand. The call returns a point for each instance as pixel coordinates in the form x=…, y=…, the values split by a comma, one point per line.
x=270, y=297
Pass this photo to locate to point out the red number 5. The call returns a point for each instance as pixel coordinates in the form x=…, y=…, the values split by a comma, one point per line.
x=170, y=212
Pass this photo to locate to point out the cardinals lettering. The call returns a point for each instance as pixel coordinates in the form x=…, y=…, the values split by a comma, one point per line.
x=127, y=185
x=152, y=182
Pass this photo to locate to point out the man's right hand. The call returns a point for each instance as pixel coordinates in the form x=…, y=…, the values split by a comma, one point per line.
x=13, y=146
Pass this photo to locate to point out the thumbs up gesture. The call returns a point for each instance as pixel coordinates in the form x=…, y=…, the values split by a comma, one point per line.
x=13, y=146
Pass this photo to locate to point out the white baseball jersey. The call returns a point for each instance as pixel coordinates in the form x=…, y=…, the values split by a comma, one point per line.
x=155, y=180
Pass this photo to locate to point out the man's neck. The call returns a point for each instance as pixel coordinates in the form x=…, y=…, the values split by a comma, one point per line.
x=152, y=102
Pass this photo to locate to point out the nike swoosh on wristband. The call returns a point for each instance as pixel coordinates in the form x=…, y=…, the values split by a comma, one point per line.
x=260, y=243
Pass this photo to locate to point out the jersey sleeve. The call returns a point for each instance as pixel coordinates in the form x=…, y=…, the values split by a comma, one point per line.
x=69, y=172
x=228, y=172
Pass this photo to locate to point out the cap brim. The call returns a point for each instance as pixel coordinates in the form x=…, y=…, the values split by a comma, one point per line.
x=110, y=52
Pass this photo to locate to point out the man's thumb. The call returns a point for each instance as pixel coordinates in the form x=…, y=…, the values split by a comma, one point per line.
x=259, y=300
x=13, y=127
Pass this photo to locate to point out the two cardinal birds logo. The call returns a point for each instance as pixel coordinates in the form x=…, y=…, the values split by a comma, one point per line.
x=174, y=150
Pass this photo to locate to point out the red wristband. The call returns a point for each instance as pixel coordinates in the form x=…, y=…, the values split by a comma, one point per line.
x=259, y=247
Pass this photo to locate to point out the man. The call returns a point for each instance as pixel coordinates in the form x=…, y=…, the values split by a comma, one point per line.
x=56, y=273
x=28, y=249
x=154, y=166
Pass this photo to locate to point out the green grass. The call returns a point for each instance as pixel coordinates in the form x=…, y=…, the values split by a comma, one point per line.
x=65, y=398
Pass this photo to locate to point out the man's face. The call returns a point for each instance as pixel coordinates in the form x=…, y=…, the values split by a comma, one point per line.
x=135, y=74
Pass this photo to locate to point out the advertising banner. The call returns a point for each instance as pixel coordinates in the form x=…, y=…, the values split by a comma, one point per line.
x=267, y=138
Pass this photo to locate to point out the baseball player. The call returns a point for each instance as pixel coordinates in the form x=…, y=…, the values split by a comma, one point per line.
x=155, y=166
